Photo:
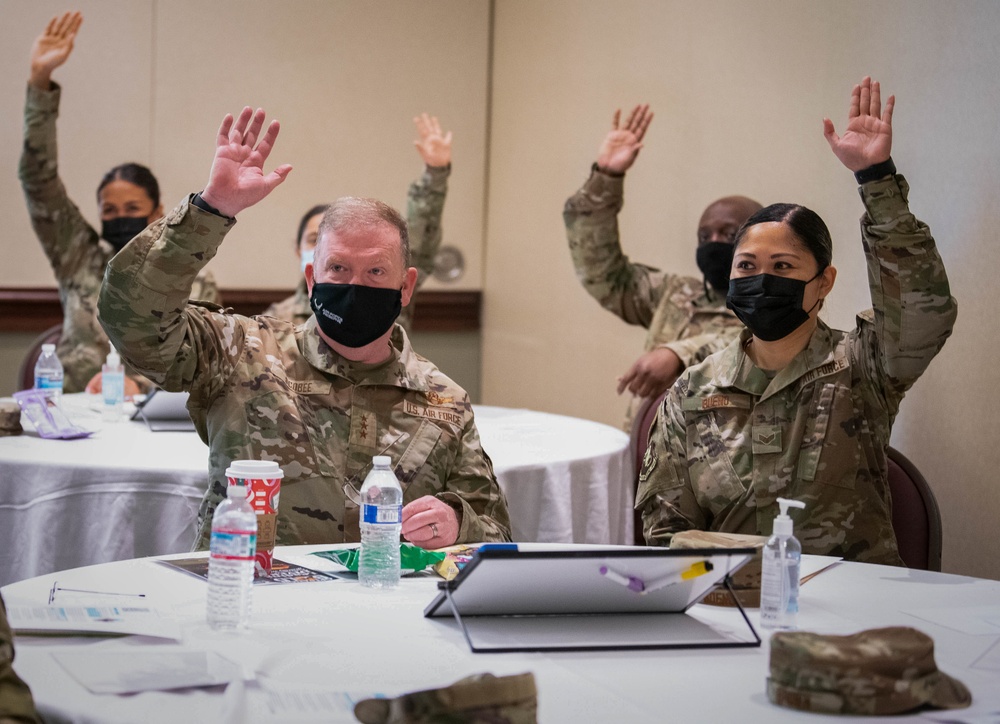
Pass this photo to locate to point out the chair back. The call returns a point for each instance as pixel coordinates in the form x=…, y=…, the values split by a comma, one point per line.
x=916, y=518
x=26, y=374
x=638, y=439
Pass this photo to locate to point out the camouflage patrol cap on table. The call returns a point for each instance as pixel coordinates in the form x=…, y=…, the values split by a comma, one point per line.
x=10, y=418
x=878, y=671
x=479, y=699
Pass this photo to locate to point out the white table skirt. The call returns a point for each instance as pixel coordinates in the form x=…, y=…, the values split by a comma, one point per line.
x=343, y=637
x=127, y=492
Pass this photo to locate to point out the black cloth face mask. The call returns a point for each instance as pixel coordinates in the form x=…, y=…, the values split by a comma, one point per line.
x=715, y=259
x=354, y=315
x=122, y=229
x=771, y=306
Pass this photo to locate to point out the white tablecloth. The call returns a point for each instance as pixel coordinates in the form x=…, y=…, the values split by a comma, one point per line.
x=127, y=492
x=340, y=636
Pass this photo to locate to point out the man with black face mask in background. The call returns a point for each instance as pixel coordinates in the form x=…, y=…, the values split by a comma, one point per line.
x=128, y=199
x=686, y=318
x=319, y=398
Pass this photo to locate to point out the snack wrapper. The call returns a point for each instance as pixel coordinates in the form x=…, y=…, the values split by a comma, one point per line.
x=411, y=557
x=49, y=419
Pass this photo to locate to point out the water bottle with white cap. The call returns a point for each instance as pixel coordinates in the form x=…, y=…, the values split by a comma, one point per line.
x=230, y=561
x=49, y=371
x=381, y=525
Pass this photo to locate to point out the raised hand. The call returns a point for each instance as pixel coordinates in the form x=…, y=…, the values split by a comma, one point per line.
x=622, y=145
x=654, y=372
x=237, y=179
x=434, y=147
x=868, y=138
x=52, y=48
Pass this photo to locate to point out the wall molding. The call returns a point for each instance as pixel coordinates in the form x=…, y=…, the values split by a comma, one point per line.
x=35, y=309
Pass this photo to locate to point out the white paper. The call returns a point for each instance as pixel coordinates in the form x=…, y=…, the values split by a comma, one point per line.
x=975, y=620
x=91, y=620
x=129, y=672
x=990, y=661
x=962, y=717
x=275, y=704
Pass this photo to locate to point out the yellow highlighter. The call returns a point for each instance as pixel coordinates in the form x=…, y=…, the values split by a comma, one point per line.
x=697, y=569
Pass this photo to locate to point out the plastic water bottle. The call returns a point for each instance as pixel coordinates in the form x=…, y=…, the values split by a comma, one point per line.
x=113, y=386
x=49, y=371
x=381, y=523
x=230, y=561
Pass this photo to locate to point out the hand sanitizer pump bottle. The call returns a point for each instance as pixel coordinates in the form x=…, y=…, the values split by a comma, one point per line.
x=779, y=592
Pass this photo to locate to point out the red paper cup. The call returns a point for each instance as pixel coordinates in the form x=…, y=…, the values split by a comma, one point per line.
x=263, y=481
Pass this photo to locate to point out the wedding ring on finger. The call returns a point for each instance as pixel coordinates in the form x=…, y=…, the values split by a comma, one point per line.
x=434, y=530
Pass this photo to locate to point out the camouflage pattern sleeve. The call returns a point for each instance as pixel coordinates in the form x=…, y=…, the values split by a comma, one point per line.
x=473, y=490
x=143, y=303
x=693, y=350
x=205, y=289
x=913, y=308
x=424, y=207
x=16, y=704
x=665, y=497
x=631, y=291
x=66, y=237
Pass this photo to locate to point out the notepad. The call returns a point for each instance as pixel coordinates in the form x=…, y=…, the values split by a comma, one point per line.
x=508, y=600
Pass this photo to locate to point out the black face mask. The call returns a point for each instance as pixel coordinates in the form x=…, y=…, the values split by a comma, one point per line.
x=771, y=306
x=715, y=259
x=122, y=229
x=353, y=315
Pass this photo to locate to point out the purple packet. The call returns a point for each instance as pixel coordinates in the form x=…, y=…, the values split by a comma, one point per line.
x=49, y=419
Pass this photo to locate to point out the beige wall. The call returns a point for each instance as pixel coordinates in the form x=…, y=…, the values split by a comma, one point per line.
x=150, y=80
x=739, y=89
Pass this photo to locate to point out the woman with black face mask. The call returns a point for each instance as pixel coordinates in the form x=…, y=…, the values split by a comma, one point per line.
x=128, y=199
x=793, y=408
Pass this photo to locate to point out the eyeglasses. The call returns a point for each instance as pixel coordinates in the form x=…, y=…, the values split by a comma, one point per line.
x=56, y=587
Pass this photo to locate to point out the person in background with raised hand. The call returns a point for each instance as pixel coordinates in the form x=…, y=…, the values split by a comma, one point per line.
x=424, y=207
x=792, y=408
x=686, y=318
x=320, y=398
x=128, y=198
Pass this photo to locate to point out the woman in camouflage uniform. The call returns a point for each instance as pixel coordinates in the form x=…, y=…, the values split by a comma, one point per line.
x=128, y=199
x=793, y=408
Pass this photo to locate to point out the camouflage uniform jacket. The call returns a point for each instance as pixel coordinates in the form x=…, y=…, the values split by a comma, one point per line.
x=728, y=440
x=424, y=206
x=16, y=704
x=77, y=255
x=263, y=388
x=676, y=310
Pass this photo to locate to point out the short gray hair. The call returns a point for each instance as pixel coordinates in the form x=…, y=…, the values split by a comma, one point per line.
x=350, y=213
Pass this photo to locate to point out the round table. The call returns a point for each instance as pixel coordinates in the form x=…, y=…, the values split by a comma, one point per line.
x=338, y=636
x=128, y=492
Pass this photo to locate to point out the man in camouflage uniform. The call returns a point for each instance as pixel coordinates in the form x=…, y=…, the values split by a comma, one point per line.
x=16, y=704
x=686, y=318
x=424, y=206
x=77, y=254
x=731, y=438
x=265, y=389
